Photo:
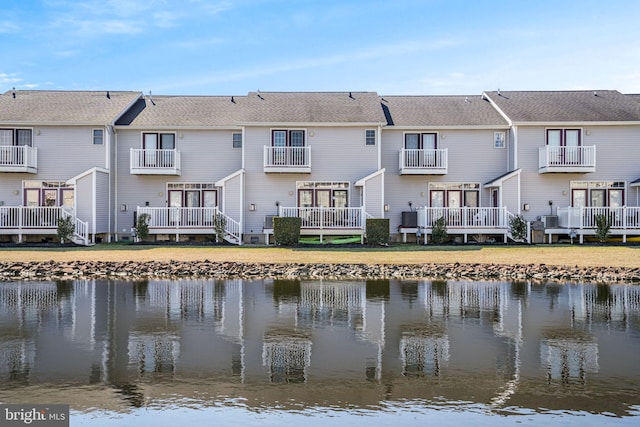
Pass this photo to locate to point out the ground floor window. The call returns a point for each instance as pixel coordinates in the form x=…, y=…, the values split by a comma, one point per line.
x=597, y=193
x=454, y=195
x=192, y=195
x=48, y=193
x=323, y=194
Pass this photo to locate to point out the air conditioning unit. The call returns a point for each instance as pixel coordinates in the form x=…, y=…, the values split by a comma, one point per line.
x=549, y=221
x=409, y=219
x=268, y=221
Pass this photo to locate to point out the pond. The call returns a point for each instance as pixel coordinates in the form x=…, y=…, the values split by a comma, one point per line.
x=277, y=352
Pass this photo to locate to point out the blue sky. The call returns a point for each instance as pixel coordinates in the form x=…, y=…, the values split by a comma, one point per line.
x=394, y=47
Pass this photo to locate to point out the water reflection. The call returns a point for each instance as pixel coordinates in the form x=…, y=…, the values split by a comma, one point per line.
x=339, y=345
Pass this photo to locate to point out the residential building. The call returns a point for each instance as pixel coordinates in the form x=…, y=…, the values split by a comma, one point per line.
x=211, y=167
x=55, y=161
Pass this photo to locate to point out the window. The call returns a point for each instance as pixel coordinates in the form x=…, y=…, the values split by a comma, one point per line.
x=597, y=194
x=499, y=140
x=98, y=136
x=421, y=141
x=454, y=195
x=237, y=140
x=16, y=137
x=323, y=194
x=159, y=141
x=370, y=137
x=564, y=145
x=288, y=138
x=48, y=193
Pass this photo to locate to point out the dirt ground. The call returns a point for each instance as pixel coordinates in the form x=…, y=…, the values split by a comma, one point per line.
x=576, y=255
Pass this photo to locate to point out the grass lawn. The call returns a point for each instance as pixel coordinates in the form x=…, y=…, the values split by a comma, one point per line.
x=568, y=255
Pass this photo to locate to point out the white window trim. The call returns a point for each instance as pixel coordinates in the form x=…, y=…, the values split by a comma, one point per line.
x=93, y=136
x=504, y=140
x=375, y=137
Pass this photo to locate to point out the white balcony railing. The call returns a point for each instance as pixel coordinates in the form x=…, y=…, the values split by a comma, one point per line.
x=18, y=158
x=623, y=217
x=464, y=217
x=287, y=159
x=40, y=219
x=21, y=217
x=567, y=159
x=154, y=162
x=327, y=218
x=423, y=161
x=177, y=219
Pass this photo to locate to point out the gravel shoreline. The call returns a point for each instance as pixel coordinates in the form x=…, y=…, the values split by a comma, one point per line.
x=135, y=270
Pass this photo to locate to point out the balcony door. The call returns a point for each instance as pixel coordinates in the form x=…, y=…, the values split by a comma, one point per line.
x=564, y=146
x=192, y=199
x=152, y=142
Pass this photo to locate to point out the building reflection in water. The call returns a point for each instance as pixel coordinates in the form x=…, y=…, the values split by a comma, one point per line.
x=493, y=342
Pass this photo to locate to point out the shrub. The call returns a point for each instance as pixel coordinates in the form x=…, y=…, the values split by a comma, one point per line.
x=286, y=230
x=65, y=229
x=518, y=228
x=142, y=226
x=439, y=231
x=603, y=227
x=377, y=231
x=220, y=225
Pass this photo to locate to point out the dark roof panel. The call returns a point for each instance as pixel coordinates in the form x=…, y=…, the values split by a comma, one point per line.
x=567, y=106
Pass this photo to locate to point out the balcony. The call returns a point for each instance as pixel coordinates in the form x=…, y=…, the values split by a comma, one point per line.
x=18, y=158
x=287, y=159
x=423, y=161
x=567, y=159
x=466, y=221
x=154, y=162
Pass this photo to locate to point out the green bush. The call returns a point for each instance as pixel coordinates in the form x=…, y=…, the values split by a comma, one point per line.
x=286, y=230
x=142, y=226
x=377, y=231
x=220, y=225
x=439, y=231
x=518, y=228
x=603, y=227
x=65, y=229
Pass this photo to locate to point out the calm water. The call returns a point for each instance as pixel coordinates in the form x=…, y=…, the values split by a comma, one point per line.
x=166, y=353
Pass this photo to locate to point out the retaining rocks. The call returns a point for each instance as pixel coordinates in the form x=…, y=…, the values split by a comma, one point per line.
x=130, y=270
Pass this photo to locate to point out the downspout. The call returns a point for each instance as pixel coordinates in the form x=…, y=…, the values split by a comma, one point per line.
x=108, y=156
x=115, y=180
x=379, y=137
x=515, y=147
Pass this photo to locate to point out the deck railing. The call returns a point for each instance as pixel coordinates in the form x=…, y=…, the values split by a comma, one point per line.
x=423, y=159
x=21, y=217
x=181, y=219
x=327, y=218
x=464, y=217
x=18, y=156
x=623, y=217
x=283, y=157
x=150, y=160
x=567, y=157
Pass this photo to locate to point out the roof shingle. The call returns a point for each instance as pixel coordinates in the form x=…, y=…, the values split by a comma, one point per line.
x=64, y=107
x=566, y=106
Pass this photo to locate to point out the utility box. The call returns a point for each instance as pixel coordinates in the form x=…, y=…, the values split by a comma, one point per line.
x=409, y=219
x=537, y=232
x=549, y=221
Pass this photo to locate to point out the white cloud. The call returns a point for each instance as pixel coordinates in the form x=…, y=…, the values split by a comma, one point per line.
x=8, y=27
x=9, y=78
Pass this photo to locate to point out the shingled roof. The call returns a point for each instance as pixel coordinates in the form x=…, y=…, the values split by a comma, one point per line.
x=188, y=111
x=441, y=111
x=63, y=107
x=314, y=107
x=566, y=106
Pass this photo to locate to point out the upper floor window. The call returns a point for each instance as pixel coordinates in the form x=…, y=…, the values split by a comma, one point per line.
x=288, y=138
x=370, y=137
x=159, y=141
x=564, y=137
x=421, y=141
x=98, y=137
x=499, y=140
x=237, y=140
x=16, y=137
